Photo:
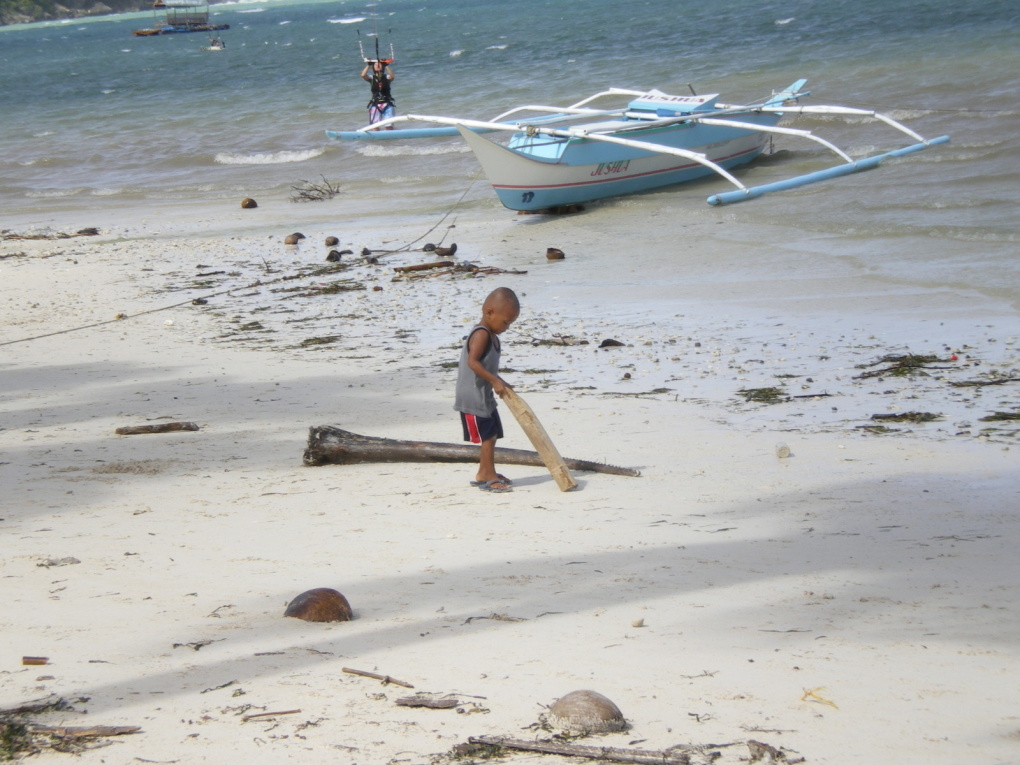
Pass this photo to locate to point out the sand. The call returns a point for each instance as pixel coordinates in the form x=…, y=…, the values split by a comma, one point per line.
x=855, y=602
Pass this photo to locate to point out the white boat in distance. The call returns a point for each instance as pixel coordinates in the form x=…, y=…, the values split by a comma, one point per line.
x=569, y=155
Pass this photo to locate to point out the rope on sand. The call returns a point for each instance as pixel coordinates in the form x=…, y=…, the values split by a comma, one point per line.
x=260, y=283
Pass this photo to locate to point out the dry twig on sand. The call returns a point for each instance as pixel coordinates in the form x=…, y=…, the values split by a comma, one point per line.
x=671, y=756
x=315, y=192
x=385, y=678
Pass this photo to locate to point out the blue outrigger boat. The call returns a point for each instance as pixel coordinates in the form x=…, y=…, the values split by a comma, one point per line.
x=569, y=155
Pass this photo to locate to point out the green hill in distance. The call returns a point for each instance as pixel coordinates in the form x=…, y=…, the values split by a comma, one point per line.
x=26, y=11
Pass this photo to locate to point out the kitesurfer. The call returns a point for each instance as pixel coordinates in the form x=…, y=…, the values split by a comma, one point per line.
x=379, y=73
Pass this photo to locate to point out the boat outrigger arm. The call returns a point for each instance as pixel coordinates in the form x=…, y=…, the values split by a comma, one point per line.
x=717, y=117
x=850, y=166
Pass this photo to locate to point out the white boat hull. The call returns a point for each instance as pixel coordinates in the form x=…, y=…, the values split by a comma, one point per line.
x=527, y=184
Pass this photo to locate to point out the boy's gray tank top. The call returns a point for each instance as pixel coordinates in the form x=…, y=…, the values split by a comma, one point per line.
x=473, y=394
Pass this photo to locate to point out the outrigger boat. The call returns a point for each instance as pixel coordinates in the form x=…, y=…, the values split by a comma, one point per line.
x=180, y=16
x=569, y=155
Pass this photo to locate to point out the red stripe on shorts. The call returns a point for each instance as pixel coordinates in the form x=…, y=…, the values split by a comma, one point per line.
x=472, y=426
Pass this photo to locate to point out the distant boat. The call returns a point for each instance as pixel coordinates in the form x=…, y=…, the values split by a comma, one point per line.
x=656, y=140
x=215, y=43
x=179, y=17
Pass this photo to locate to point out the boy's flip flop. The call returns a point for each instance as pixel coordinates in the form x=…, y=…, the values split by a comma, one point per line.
x=502, y=479
x=499, y=486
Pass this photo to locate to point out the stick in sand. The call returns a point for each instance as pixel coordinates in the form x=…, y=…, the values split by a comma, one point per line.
x=385, y=678
x=540, y=440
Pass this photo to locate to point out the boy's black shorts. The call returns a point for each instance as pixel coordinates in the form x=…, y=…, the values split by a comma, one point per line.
x=478, y=429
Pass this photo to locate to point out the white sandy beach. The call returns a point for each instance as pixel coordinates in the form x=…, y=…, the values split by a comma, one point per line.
x=856, y=602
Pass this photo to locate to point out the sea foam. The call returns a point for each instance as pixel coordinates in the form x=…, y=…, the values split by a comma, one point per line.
x=270, y=158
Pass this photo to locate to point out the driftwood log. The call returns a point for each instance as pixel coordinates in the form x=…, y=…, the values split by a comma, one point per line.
x=92, y=731
x=604, y=753
x=329, y=445
x=425, y=266
x=162, y=427
x=544, y=446
x=425, y=701
x=386, y=679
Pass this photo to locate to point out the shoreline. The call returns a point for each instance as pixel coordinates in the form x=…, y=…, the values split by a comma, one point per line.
x=706, y=598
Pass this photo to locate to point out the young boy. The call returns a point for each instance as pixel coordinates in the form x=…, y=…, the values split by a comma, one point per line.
x=478, y=379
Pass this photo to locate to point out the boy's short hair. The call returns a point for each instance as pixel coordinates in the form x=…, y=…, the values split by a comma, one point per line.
x=503, y=294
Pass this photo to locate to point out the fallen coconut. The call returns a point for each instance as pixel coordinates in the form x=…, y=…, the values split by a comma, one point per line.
x=555, y=253
x=332, y=241
x=294, y=238
x=320, y=605
x=586, y=711
x=248, y=203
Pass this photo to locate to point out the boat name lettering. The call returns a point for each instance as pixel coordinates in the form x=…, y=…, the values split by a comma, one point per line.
x=611, y=168
x=680, y=99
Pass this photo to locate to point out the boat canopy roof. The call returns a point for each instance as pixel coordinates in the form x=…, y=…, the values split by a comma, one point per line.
x=664, y=105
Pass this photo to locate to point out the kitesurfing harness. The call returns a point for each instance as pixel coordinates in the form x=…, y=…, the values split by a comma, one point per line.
x=380, y=89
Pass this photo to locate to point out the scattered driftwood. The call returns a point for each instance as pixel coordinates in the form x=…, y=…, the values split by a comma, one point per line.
x=424, y=266
x=706, y=754
x=314, y=192
x=386, y=679
x=163, y=427
x=434, y=270
x=603, y=753
x=34, y=660
x=329, y=445
x=428, y=702
x=79, y=232
x=258, y=715
x=93, y=731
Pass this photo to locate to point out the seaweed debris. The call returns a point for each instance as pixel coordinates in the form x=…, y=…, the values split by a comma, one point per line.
x=770, y=395
x=904, y=365
x=907, y=417
x=21, y=736
x=1001, y=417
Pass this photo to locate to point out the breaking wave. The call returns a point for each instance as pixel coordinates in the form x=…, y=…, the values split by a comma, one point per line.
x=270, y=158
x=373, y=150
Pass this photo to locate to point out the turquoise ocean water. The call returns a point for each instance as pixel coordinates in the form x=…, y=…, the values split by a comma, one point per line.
x=97, y=119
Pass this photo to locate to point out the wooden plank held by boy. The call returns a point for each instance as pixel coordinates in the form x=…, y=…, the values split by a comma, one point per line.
x=540, y=440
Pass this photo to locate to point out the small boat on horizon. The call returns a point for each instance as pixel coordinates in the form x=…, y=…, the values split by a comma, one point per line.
x=575, y=154
x=179, y=18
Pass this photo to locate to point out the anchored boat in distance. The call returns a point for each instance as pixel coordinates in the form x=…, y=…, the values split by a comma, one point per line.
x=180, y=17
